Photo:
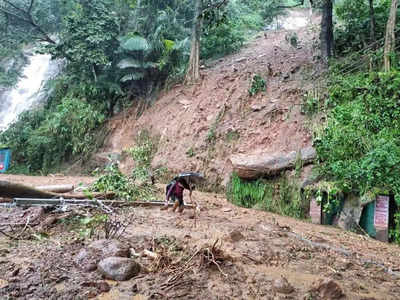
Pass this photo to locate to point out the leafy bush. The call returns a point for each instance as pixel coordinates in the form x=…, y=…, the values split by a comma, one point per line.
x=43, y=139
x=222, y=40
x=114, y=181
x=125, y=187
x=257, y=85
x=143, y=154
x=275, y=195
x=394, y=233
x=310, y=104
x=353, y=29
x=360, y=144
x=292, y=39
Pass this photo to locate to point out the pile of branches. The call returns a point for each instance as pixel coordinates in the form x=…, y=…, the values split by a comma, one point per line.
x=205, y=257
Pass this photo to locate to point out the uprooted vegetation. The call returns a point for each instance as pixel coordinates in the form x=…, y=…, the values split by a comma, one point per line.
x=139, y=185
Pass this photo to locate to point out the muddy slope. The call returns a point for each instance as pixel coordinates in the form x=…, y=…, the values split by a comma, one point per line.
x=200, y=126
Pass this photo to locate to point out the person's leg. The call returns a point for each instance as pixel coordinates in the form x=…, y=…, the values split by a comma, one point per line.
x=181, y=204
x=176, y=203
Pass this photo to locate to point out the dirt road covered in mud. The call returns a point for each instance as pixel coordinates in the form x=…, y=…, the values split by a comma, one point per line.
x=230, y=253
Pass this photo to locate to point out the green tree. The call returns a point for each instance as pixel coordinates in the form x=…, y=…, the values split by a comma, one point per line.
x=88, y=39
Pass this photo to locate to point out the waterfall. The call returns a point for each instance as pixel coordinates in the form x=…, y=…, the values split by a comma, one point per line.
x=29, y=90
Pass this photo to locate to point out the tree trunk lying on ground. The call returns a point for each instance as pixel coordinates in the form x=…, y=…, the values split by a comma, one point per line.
x=11, y=190
x=264, y=164
x=57, y=188
x=14, y=190
x=28, y=202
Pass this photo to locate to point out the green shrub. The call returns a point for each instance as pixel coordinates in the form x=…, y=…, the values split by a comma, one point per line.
x=275, y=195
x=190, y=152
x=221, y=40
x=142, y=153
x=360, y=144
x=43, y=139
x=257, y=85
x=292, y=39
x=394, y=233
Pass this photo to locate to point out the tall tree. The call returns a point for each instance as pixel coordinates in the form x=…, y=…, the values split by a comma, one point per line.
x=390, y=37
x=372, y=22
x=326, y=35
x=204, y=9
x=193, y=74
x=26, y=16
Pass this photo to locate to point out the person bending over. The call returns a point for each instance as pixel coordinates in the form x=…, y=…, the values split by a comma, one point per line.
x=174, y=190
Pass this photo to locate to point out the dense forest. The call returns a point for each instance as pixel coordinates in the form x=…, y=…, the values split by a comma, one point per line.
x=114, y=53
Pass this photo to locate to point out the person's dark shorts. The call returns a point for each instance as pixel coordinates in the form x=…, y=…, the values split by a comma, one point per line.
x=180, y=199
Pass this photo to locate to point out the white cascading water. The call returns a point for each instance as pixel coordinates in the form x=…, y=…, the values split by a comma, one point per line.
x=292, y=21
x=29, y=90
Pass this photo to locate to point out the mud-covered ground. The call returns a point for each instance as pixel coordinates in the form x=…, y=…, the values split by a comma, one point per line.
x=230, y=253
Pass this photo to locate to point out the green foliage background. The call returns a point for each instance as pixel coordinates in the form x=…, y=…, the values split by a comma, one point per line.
x=115, y=52
x=359, y=146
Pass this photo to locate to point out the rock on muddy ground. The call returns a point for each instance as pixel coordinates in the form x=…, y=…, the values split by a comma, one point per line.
x=88, y=258
x=118, y=268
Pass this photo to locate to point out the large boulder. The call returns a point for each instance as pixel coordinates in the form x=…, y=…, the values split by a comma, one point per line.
x=88, y=258
x=118, y=268
x=351, y=213
x=264, y=164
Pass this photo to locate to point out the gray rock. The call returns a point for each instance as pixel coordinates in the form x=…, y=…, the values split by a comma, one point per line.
x=351, y=213
x=257, y=165
x=118, y=268
x=235, y=235
x=283, y=286
x=88, y=258
x=328, y=289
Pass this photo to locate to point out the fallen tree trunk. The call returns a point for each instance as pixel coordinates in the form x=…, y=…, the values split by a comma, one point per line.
x=259, y=165
x=12, y=190
x=28, y=202
x=58, y=188
x=97, y=195
x=16, y=190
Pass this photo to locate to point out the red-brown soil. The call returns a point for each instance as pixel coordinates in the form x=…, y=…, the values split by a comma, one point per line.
x=271, y=121
x=257, y=250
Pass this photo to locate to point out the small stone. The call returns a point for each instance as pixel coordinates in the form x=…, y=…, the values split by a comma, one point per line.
x=283, y=286
x=236, y=235
x=328, y=289
x=91, y=294
x=134, y=288
x=257, y=107
x=103, y=287
x=15, y=272
x=118, y=268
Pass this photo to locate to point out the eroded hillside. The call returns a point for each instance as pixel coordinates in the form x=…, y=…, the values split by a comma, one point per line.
x=202, y=125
